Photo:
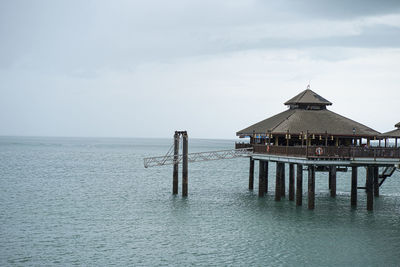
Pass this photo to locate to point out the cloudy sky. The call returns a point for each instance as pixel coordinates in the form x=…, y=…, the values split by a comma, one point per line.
x=148, y=68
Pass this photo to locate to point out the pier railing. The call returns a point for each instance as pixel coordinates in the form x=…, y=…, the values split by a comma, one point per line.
x=329, y=152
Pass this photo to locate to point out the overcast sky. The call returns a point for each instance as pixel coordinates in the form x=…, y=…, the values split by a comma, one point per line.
x=148, y=68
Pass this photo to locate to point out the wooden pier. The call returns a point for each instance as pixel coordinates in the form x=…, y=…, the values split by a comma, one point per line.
x=309, y=135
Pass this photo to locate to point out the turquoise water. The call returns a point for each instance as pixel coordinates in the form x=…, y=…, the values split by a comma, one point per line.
x=88, y=201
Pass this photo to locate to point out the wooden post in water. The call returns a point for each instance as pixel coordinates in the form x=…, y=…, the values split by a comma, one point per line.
x=369, y=187
x=283, y=177
x=376, y=181
x=311, y=187
x=332, y=179
x=353, y=186
x=266, y=177
x=185, y=165
x=291, y=182
x=251, y=174
x=261, y=175
x=176, y=164
x=278, y=182
x=299, y=185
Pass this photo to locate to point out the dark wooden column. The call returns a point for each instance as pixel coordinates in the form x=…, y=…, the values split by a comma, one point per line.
x=283, y=177
x=278, y=182
x=353, y=186
x=176, y=165
x=251, y=174
x=376, y=181
x=369, y=187
x=291, y=182
x=266, y=177
x=261, y=175
x=185, y=165
x=299, y=185
x=332, y=179
x=311, y=187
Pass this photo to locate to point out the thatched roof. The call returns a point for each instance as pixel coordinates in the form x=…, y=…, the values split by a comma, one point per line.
x=308, y=97
x=394, y=133
x=297, y=120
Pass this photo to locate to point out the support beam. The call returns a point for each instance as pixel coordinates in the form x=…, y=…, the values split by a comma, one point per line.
x=299, y=185
x=283, y=178
x=251, y=174
x=266, y=177
x=261, y=175
x=354, y=186
x=278, y=182
x=185, y=165
x=311, y=187
x=175, y=174
x=376, y=181
x=369, y=187
x=332, y=179
x=291, y=182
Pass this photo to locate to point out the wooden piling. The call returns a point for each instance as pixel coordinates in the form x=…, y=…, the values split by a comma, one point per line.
x=376, y=181
x=311, y=187
x=176, y=165
x=261, y=175
x=332, y=179
x=266, y=177
x=185, y=165
x=369, y=188
x=353, y=186
x=283, y=177
x=278, y=182
x=251, y=174
x=291, y=182
x=299, y=185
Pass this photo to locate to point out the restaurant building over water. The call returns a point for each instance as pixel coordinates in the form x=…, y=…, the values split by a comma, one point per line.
x=310, y=136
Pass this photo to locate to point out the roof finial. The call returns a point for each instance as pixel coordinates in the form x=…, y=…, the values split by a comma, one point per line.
x=308, y=86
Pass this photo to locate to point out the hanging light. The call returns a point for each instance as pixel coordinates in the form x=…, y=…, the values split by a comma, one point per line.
x=320, y=137
x=313, y=136
x=332, y=137
x=289, y=136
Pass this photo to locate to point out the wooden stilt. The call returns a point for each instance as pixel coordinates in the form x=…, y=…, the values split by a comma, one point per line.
x=353, y=186
x=266, y=177
x=311, y=187
x=283, y=177
x=376, y=181
x=278, y=182
x=291, y=182
x=261, y=175
x=176, y=165
x=251, y=174
x=185, y=165
x=299, y=185
x=369, y=186
x=332, y=178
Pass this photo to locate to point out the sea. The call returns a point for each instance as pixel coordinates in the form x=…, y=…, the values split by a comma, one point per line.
x=91, y=202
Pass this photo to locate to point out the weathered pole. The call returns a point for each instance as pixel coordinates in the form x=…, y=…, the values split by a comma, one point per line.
x=185, y=165
x=176, y=164
x=266, y=177
x=353, y=186
x=278, y=182
x=376, y=181
x=283, y=177
x=332, y=179
x=369, y=187
x=251, y=174
x=261, y=175
x=311, y=187
x=291, y=182
x=299, y=185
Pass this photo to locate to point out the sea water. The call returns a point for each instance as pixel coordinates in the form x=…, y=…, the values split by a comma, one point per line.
x=90, y=202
